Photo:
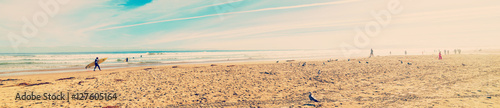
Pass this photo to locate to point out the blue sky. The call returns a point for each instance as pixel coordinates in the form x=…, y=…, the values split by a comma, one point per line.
x=252, y=24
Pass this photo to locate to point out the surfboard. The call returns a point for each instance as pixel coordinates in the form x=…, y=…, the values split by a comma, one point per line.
x=93, y=64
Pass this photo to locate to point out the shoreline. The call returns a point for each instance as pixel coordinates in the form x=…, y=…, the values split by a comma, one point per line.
x=136, y=67
x=140, y=64
x=70, y=70
x=4, y=75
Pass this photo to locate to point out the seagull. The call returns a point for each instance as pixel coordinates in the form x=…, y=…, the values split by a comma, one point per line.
x=312, y=98
x=319, y=71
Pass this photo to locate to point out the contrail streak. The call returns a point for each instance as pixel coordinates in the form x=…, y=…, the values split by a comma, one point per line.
x=258, y=10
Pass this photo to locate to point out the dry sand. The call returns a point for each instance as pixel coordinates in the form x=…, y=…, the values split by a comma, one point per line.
x=457, y=81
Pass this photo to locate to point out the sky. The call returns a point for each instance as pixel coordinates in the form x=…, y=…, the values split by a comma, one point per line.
x=246, y=24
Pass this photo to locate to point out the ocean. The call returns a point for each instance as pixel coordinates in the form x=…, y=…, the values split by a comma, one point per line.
x=38, y=63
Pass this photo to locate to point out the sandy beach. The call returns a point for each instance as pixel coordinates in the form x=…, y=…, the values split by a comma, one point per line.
x=467, y=80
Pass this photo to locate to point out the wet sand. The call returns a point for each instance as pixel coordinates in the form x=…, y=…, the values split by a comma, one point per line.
x=465, y=80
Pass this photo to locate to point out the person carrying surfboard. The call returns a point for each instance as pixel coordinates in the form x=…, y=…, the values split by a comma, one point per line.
x=96, y=62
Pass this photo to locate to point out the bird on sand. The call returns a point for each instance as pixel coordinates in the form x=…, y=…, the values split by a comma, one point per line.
x=319, y=71
x=312, y=98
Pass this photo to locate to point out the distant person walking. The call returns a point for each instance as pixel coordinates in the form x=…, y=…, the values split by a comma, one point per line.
x=126, y=59
x=406, y=53
x=96, y=63
x=440, y=57
x=371, y=53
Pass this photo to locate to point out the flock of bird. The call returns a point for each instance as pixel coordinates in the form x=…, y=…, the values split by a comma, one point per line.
x=311, y=97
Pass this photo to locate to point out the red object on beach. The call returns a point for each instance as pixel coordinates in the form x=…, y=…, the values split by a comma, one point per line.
x=440, y=57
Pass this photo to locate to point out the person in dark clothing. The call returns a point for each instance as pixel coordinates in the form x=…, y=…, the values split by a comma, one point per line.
x=96, y=63
x=371, y=53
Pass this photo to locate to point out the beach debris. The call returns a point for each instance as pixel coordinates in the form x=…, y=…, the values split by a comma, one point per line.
x=290, y=60
x=489, y=97
x=366, y=62
x=65, y=78
x=401, y=62
x=111, y=107
x=304, y=64
x=90, y=78
x=348, y=59
x=213, y=65
x=309, y=105
x=336, y=59
x=39, y=84
x=22, y=84
x=278, y=61
x=463, y=64
x=312, y=98
x=359, y=61
x=319, y=71
x=27, y=84
x=270, y=73
x=231, y=65
x=1, y=84
x=175, y=66
x=80, y=83
x=10, y=80
x=324, y=63
x=119, y=80
x=146, y=69
x=328, y=60
x=409, y=63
